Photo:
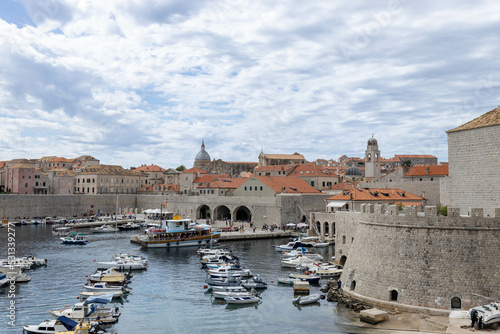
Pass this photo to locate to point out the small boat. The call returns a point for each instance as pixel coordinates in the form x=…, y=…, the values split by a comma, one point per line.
x=15, y=273
x=91, y=310
x=312, y=279
x=228, y=281
x=236, y=288
x=105, y=287
x=224, y=294
x=288, y=247
x=256, y=283
x=18, y=263
x=37, y=262
x=3, y=280
x=287, y=280
x=304, y=300
x=125, y=262
x=242, y=300
x=104, y=229
x=224, y=271
x=328, y=273
x=61, y=324
x=130, y=226
x=110, y=276
x=490, y=313
x=74, y=239
x=86, y=327
x=86, y=294
x=214, y=251
x=63, y=231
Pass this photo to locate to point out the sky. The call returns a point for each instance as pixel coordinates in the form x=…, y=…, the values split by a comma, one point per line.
x=135, y=82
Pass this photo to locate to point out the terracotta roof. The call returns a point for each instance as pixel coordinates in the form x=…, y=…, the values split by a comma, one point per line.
x=242, y=162
x=20, y=166
x=2, y=163
x=294, y=156
x=375, y=194
x=56, y=159
x=275, y=168
x=194, y=170
x=342, y=186
x=491, y=118
x=310, y=169
x=421, y=170
x=226, y=183
x=150, y=168
x=205, y=178
x=414, y=156
x=108, y=170
x=290, y=185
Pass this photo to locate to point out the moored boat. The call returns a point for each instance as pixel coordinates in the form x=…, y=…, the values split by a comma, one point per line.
x=105, y=287
x=304, y=300
x=255, y=283
x=74, y=239
x=242, y=300
x=178, y=233
x=130, y=226
x=104, y=229
x=51, y=326
x=313, y=279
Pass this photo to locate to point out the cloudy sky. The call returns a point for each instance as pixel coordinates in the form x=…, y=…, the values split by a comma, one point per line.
x=134, y=82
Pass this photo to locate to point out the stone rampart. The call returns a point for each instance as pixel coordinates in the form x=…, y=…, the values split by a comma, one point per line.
x=416, y=260
x=12, y=206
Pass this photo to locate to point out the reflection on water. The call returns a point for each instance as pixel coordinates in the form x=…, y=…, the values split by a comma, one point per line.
x=169, y=296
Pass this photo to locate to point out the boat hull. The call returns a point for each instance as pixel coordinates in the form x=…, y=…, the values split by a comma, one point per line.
x=195, y=242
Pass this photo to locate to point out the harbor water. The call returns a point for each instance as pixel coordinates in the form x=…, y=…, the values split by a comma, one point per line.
x=168, y=297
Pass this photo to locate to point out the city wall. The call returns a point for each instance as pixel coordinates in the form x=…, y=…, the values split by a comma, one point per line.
x=12, y=206
x=418, y=262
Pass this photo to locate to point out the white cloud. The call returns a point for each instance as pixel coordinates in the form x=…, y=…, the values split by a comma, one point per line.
x=135, y=82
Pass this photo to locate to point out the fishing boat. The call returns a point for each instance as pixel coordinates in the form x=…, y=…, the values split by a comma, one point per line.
x=178, y=233
x=74, y=239
x=104, y=229
x=304, y=300
x=236, y=288
x=60, y=324
x=242, y=300
x=224, y=294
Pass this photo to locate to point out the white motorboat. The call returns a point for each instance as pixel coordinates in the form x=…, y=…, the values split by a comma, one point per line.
x=74, y=239
x=3, y=280
x=130, y=226
x=224, y=271
x=490, y=313
x=314, y=242
x=86, y=294
x=124, y=263
x=90, y=309
x=228, y=281
x=37, y=262
x=313, y=279
x=304, y=300
x=105, y=287
x=300, y=260
x=61, y=324
x=288, y=247
x=62, y=231
x=218, y=260
x=104, y=229
x=237, y=288
x=16, y=273
x=224, y=294
x=214, y=251
x=18, y=262
x=242, y=300
x=110, y=276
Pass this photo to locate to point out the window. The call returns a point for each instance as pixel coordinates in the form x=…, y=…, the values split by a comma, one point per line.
x=343, y=239
x=353, y=285
x=260, y=188
x=250, y=188
x=312, y=183
x=245, y=188
x=62, y=182
x=25, y=185
x=36, y=184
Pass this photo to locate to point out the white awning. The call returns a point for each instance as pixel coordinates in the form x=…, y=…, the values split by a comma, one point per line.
x=336, y=204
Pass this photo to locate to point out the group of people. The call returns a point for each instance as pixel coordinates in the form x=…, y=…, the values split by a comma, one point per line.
x=476, y=319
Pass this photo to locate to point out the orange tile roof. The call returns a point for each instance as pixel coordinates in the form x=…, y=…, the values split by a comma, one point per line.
x=342, y=186
x=294, y=156
x=242, y=162
x=150, y=168
x=375, y=194
x=194, y=170
x=291, y=185
x=310, y=169
x=226, y=183
x=205, y=178
x=2, y=163
x=421, y=170
x=56, y=159
x=491, y=118
x=415, y=156
x=274, y=168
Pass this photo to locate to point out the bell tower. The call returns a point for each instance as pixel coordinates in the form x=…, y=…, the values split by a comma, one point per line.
x=372, y=159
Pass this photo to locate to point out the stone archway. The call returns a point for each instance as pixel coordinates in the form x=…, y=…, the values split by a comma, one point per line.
x=343, y=259
x=222, y=212
x=327, y=229
x=203, y=212
x=318, y=228
x=332, y=230
x=242, y=214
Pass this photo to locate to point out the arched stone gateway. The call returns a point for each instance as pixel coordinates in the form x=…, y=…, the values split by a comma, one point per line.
x=332, y=229
x=304, y=219
x=327, y=229
x=222, y=212
x=318, y=227
x=203, y=212
x=242, y=213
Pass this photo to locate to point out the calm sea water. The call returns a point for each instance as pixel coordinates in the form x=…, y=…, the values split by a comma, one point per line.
x=169, y=297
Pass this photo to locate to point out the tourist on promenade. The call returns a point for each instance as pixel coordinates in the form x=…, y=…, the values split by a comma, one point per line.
x=473, y=318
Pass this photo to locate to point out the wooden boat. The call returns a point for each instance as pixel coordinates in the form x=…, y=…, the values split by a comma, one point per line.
x=110, y=276
x=242, y=300
x=178, y=233
x=304, y=300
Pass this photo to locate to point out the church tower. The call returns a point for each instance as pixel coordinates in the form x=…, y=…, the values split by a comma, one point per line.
x=372, y=159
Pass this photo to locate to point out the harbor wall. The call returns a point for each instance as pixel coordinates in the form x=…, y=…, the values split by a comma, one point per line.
x=422, y=261
x=13, y=206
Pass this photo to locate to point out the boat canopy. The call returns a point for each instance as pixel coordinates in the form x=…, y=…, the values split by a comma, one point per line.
x=103, y=299
x=67, y=323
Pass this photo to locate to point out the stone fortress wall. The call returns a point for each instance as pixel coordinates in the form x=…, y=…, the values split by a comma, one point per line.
x=12, y=206
x=412, y=262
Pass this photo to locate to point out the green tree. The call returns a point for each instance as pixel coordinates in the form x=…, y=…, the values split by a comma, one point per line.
x=406, y=163
x=181, y=168
x=442, y=210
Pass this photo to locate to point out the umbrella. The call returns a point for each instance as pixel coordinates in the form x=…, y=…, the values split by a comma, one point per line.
x=290, y=224
x=301, y=224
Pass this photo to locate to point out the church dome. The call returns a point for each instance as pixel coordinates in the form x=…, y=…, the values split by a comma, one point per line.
x=353, y=171
x=372, y=141
x=202, y=155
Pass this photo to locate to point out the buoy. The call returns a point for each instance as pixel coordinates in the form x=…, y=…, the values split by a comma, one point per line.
x=205, y=286
x=77, y=297
x=220, y=302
